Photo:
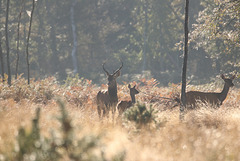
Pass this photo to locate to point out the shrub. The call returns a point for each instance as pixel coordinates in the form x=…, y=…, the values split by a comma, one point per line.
x=141, y=115
x=40, y=91
x=34, y=146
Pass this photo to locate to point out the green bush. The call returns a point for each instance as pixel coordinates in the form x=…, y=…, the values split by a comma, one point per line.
x=141, y=115
x=32, y=146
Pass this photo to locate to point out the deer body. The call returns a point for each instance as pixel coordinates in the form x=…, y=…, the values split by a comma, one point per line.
x=124, y=105
x=107, y=100
x=192, y=97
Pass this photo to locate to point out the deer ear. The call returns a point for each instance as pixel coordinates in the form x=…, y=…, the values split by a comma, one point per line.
x=117, y=74
x=233, y=77
x=222, y=76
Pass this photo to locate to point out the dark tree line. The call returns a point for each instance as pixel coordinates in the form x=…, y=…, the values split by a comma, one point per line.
x=145, y=35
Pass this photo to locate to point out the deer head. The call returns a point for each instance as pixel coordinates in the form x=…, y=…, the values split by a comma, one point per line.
x=228, y=81
x=133, y=90
x=112, y=77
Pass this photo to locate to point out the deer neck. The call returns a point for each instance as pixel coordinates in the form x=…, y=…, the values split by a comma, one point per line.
x=224, y=93
x=112, y=91
x=133, y=98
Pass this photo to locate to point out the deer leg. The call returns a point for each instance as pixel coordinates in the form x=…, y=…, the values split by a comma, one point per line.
x=108, y=108
x=99, y=111
x=104, y=112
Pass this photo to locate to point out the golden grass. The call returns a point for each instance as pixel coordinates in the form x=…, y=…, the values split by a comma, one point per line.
x=205, y=135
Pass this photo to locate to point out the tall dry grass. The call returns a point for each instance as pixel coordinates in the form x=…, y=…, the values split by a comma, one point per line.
x=206, y=134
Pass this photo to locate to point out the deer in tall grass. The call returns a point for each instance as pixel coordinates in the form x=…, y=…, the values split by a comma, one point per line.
x=124, y=105
x=216, y=99
x=107, y=100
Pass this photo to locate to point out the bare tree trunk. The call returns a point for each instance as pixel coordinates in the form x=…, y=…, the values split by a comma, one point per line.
x=7, y=44
x=1, y=58
x=145, y=35
x=74, y=50
x=29, y=32
x=18, y=35
x=1, y=52
x=184, y=68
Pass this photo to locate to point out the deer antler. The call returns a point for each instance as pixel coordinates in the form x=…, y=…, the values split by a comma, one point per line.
x=233, y=77
x=105, y=69
x=222, y=76
x=118, y=68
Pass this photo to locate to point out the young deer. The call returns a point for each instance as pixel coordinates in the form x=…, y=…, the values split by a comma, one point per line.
x=123, y=105
x=212, y=98
x=107, y=100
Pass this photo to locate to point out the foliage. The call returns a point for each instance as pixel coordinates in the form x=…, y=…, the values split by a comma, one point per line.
x=78, y=91
x=34, y=146
x=39, y=92
x=106, y=30
x=219, y=20
x=115, y=29
x=141, y=115
x=217, y=32
x=28, y=142
x=65, y=131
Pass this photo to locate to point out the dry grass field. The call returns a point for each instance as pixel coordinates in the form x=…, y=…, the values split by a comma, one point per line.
x=206, y=134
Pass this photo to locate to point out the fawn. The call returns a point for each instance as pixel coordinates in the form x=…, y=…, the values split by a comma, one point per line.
x=123, y=105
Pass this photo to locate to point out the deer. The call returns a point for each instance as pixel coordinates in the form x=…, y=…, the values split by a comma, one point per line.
x=215, y=99
x=124, y=105
x=107, y=100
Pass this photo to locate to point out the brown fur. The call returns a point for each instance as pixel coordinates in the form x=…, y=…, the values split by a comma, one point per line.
x=124, y=105
x=216, y=99
x=107, y=100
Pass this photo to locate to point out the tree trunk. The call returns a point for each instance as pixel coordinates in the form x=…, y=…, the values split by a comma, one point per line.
x=18, y=35
x=7, y=44
x=1, y=52
x=74, y=50
x=29, y=32
x=145, y=35
x=1, y=58
x=184, y=68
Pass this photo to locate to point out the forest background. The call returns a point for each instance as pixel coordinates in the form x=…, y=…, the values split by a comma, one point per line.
x=77, y=36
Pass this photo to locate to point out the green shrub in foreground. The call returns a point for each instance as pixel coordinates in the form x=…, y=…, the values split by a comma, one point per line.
x=32, y=146
x=141, y=115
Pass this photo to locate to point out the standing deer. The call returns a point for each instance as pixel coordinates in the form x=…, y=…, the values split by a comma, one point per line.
x=107, y=100
x=212, y=98
x=124, y=105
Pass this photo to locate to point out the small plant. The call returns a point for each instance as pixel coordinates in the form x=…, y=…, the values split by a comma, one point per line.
x=78, y=91
x=74, y=80
x=28, y=141
x=141, y=115
x=41, y=91
x=31, y=145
